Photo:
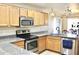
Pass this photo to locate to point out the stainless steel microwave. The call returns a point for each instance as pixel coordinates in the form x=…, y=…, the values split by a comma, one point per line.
x=26, y=21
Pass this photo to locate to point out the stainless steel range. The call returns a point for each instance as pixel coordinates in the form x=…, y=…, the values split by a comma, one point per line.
x=30, y=42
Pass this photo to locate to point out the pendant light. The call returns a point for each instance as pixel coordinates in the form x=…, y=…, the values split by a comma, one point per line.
x=51, y=12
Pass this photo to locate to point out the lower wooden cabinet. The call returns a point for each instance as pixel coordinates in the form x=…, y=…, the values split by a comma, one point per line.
x=53, y=43
x=19, y=43
x=42, y=43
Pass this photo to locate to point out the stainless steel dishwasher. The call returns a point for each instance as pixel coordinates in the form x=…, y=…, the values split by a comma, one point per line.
x=69, y=46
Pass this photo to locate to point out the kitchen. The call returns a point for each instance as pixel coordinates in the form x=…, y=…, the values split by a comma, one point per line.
x=32, y=29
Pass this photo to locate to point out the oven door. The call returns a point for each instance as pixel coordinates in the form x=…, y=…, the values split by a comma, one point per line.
x=32, y=45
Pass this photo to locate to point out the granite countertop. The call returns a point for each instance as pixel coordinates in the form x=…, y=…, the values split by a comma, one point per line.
x=10, y=38
x=11, y=49
x=43, y=33
x=68, y=35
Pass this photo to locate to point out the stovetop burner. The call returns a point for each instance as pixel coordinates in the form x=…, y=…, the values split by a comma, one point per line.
x=27, y=37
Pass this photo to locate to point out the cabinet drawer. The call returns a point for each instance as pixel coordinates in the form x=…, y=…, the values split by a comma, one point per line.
x=53, y=37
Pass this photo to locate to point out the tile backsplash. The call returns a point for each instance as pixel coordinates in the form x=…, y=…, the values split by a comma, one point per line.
x=12, y=31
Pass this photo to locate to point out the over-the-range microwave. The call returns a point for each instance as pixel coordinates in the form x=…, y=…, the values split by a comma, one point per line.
x=26, y=21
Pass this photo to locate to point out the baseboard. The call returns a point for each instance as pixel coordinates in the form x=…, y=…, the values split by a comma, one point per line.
x=51, y=51
x=42, y=51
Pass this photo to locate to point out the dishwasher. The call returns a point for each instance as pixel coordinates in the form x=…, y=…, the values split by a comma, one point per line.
x=69, y=46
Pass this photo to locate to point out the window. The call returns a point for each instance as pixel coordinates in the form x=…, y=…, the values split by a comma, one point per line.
x=72, y=23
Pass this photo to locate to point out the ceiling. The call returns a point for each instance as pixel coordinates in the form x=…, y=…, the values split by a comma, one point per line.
x=58, y=8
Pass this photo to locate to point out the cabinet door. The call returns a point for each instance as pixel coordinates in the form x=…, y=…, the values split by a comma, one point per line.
x=46, y=18
x=4, y=15
x=57, y=45
x=41, y=18
x=23, y=12
x=19, y=43
x=41, y=44
x=53, y=43
x=36, y=18
x=14, y=16
x=31, y=13
x=49, y=44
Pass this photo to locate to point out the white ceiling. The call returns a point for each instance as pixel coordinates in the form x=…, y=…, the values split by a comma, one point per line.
x=58, y=8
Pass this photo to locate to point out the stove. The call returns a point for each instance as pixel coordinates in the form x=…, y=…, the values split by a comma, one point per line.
x=30, y=42
x=25, y=34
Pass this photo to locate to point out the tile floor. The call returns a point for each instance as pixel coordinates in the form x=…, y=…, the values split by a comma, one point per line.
x=49, y=53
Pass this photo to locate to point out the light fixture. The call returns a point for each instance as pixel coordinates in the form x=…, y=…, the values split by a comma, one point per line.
x=74, y=7
x=68, y=11
x=51, y=12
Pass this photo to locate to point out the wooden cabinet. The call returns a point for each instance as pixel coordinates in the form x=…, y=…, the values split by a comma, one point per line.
x=4, y=15
x=42, y=43
x=41, y=18
x=19, y=43
x=53, y=43
x=45, y=18
x=23, y=12
x=14, y=16
x=9, y=15
x=31, y=13
x=36, y=18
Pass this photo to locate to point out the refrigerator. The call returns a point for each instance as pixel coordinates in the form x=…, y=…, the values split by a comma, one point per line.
x=55, y=25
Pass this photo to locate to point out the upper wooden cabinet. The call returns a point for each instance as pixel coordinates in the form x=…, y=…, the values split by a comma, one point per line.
x=36, y=18
x=23, y=12
x=46, y=18
x=9, y=15
x=14, y=16
x=4, y=15
x=53, y=43
x=41, y=18
x=31, y=13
